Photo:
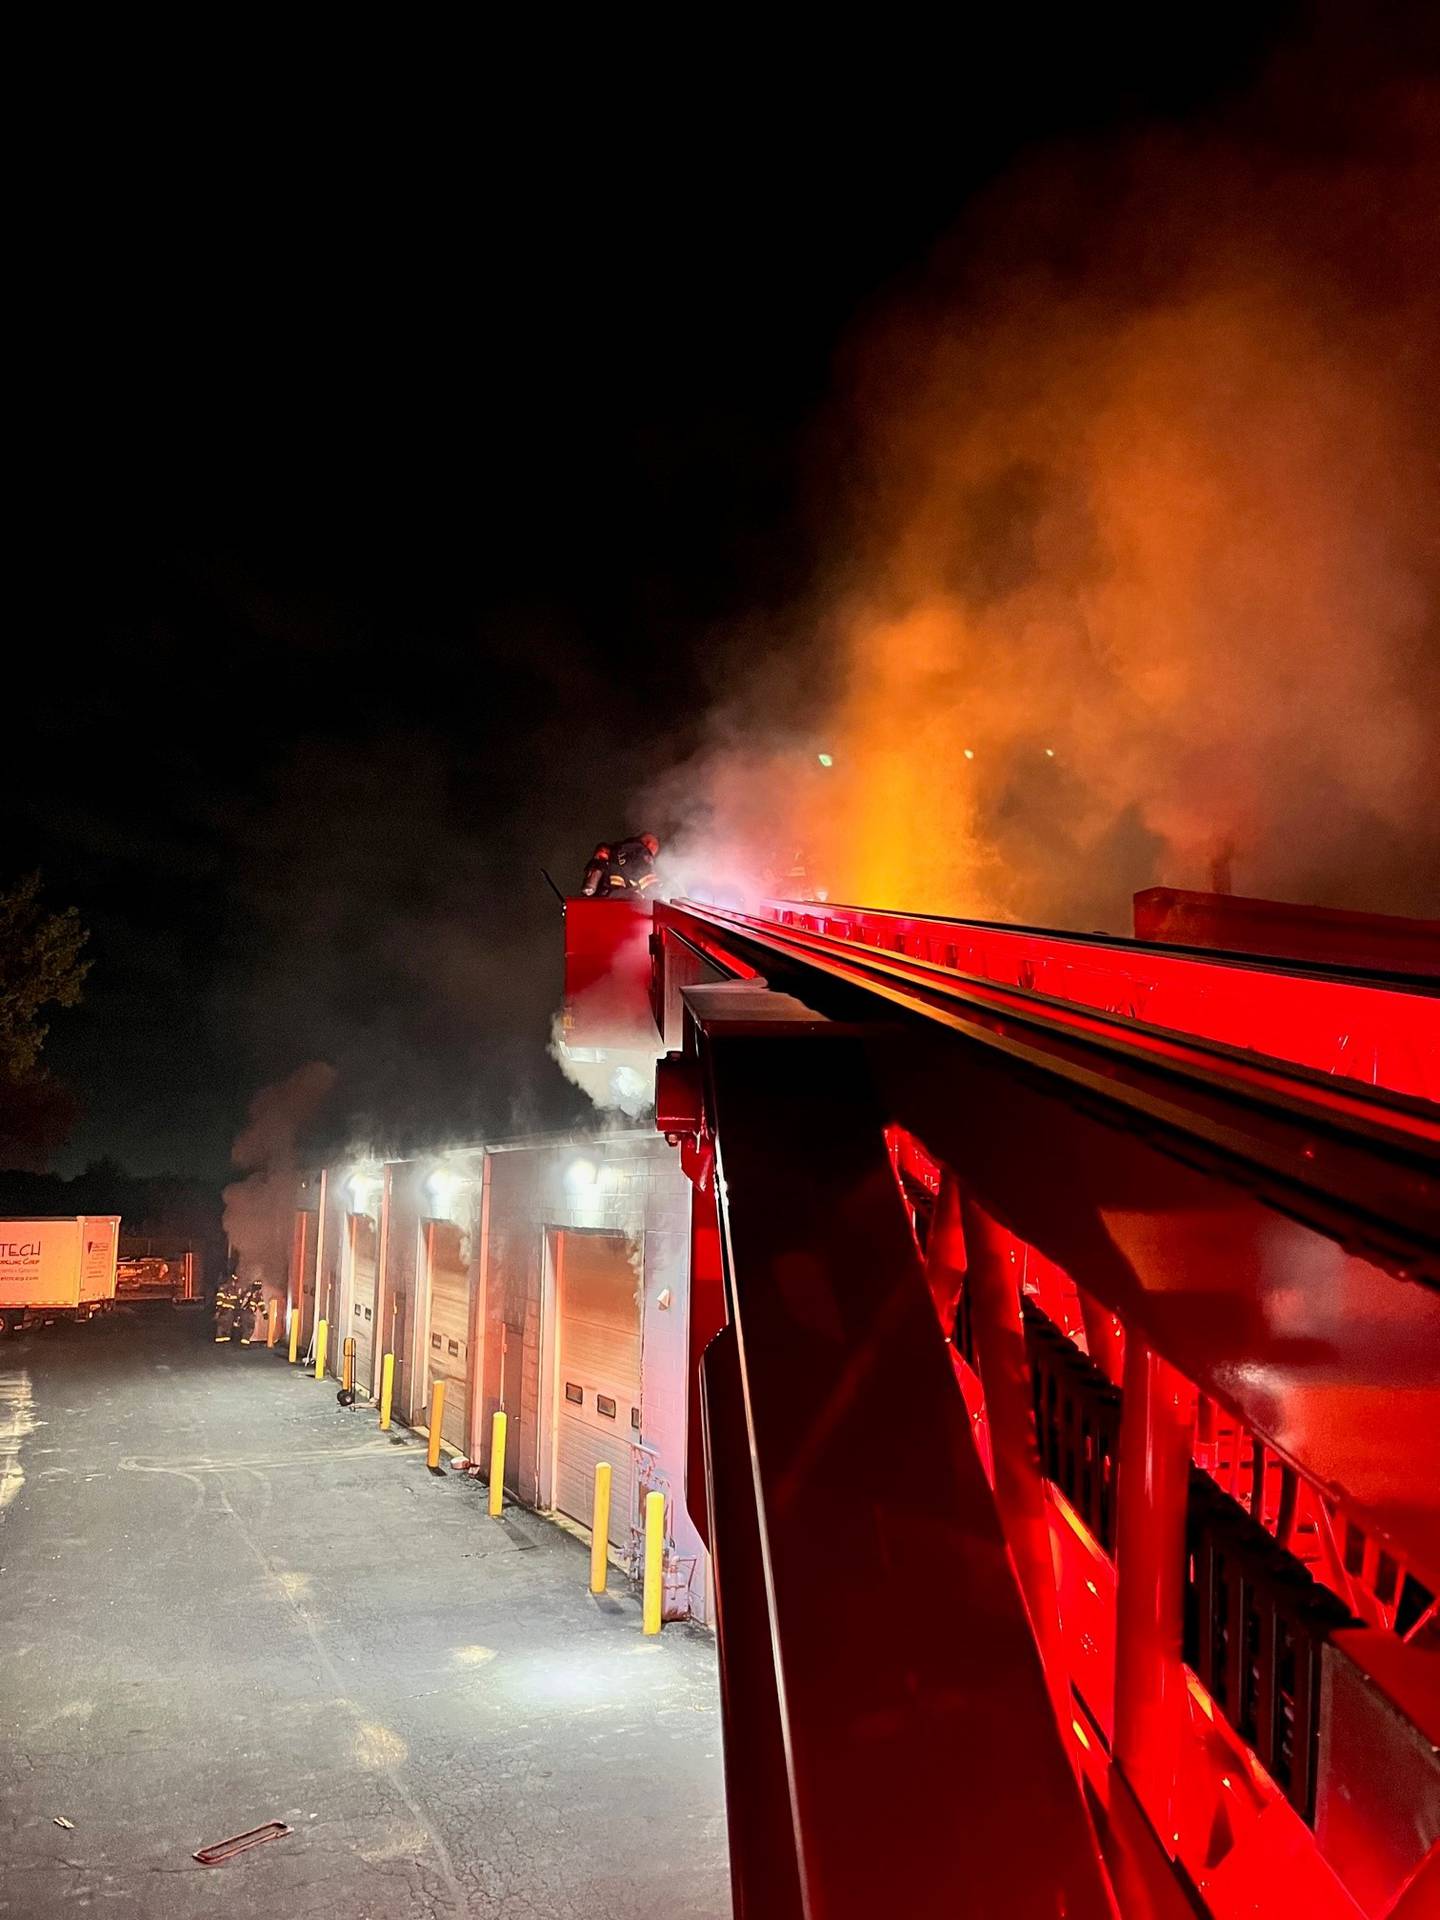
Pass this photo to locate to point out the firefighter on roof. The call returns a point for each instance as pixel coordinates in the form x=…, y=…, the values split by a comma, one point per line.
x=597, y=873
x=786, y=876
x=621, y=868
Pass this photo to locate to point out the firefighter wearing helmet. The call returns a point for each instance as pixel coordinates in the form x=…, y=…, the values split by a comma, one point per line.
x=619, y=869
x=597, y=873
x=236, y=1303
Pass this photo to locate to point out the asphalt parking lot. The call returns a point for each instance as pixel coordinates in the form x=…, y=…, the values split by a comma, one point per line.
x=228, y=1602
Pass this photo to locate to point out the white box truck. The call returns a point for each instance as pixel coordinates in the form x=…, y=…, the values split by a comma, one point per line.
x=57, y=1269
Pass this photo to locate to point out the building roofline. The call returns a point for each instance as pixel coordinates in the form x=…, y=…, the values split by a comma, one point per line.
x=525, y=1143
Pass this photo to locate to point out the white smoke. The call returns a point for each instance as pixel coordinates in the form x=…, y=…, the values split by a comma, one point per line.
x=616, y=1079
x=260, y=1209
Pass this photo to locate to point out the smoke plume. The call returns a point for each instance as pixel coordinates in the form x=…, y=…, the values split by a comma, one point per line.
x=1140, y=572
x=260, y=1209
x=620, y=1080
x=604, y=1039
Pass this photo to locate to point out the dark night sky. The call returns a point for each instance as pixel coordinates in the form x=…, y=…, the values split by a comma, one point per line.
x=405, y=449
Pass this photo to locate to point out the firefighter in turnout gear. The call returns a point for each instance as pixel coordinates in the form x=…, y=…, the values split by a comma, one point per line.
x=236, y=1304
x=787, y=876
x=597, y=873
x=621, y=868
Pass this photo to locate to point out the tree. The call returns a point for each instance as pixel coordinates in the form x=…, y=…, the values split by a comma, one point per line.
x=37, y=1117
x=40, y=966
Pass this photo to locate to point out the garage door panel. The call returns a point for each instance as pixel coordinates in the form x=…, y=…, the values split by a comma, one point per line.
x=599, y=1383
x=363, y=1259
x=447, y=1250
x=581, y=1450
x=600, y=1353
x=397, y=1310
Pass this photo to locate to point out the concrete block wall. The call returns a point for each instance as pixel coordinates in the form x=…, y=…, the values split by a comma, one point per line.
x=623, y=1183
x=627, y=1184
x=665, y=1361
x=301, y=1283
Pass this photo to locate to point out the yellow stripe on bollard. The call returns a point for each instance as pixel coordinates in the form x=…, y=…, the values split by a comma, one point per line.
x=600, y=1529
x=347, y=1380
x=322, y=1338
x=294, y=1335
x=387, y=1390
x=497, y=1465
x=273, y=1315
x=437, y=1414
x=654, y=1560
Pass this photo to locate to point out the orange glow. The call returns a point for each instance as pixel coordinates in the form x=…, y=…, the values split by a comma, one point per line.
x=1134, y=571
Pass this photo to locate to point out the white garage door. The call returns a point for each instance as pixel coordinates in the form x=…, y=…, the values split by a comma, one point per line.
x=302, y=1276
x=449, y=1329
x=361, y=1292
x=598, y=1292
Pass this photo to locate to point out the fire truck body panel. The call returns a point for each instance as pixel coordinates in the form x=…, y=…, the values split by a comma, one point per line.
x=1188, y=1260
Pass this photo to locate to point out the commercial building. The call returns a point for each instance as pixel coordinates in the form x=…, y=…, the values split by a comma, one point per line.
x=546, y=1278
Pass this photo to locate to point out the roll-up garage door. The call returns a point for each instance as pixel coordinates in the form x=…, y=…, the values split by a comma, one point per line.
x=397, y=1319
x=361, y=1293
x=598, y=1416
x=449, y=1329
x=302, y=1275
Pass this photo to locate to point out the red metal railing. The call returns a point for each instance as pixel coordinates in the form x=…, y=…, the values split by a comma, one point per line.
x=1377, y=1031
x=1163, y=1220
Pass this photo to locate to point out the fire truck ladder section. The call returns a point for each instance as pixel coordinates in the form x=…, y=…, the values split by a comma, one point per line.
x=1070, y=1390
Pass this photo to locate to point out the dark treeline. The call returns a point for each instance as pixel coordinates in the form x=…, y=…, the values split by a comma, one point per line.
x=164, y=1207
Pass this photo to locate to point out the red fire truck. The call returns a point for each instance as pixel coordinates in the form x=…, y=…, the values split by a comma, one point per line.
x=1066, y=1323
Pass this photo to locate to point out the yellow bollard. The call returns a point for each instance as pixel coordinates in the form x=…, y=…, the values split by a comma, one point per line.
x=347, y=1380
x=273, y=1316
x=654, y=1560
x=294, y=1335
x=322, y=1338
x=497, y=1465
x=437, y=1414
x=387, y=1390
x=600, y=1529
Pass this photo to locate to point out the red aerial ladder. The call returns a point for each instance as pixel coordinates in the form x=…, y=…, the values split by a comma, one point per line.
x=1066, y=1313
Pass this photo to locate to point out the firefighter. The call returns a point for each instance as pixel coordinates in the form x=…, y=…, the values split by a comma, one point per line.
x=251, y=1301
x=622, y=867
x=786, y=876
x=597, y=873
x=227, y=1305
x=635, y=863
x=236, y=1304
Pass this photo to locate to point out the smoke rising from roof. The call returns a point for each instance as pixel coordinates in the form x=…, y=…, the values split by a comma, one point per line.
x=1139, y=566
x=620, y=1081
x=260, y=1209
